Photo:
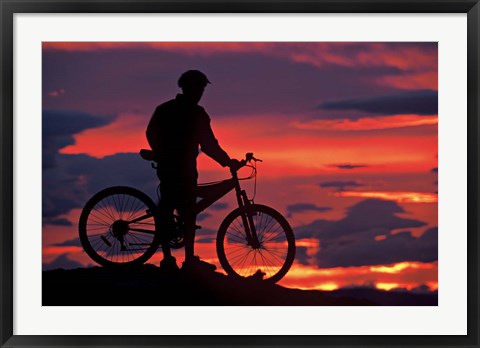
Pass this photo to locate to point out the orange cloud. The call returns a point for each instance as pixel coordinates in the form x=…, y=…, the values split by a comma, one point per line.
x=368, y=123
x=400, y=197
x=125, y=134
x=285, y=149
x=396, y=268
x=406, y=275
x=422, y=80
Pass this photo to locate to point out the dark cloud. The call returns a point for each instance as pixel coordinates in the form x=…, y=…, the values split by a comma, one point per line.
x=351, y=241
x=206, y=239
x=394, y=297
x=76, y=178
x=70, y=242
x=64, y=189
x=421, y=289
x=349, y=166
x=67, y=122
x=367, y=251
x=219, y=206
x=301, y=255
x=206, y=235
x=116, y=170
x=57, y=222
x=61, y=193
x=61, y=262
x=302, y=207
x=58, y=128
x=243, y=83
x=203, y=216
x=419, y=102
x=340, y=185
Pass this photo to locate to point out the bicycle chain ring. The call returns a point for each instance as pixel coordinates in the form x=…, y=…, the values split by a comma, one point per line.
x=177, y=241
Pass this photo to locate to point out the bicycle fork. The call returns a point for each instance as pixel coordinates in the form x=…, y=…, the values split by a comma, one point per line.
x=247, y=220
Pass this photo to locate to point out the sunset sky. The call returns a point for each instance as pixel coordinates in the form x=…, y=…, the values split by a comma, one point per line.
x=347, y=133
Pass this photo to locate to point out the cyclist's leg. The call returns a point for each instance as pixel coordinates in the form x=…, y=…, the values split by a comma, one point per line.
x=192, y=262
x=166, y=207
x=165, y=211
x=187, y=210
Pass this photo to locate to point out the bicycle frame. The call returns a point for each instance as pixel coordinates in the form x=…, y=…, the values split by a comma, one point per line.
x=210, y=193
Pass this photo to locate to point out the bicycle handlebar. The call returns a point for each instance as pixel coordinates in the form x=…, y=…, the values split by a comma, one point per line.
x=248, y=158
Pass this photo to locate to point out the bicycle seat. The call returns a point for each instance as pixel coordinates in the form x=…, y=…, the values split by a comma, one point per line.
x=148, y=155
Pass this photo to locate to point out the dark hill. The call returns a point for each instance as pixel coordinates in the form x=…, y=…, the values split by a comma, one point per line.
x=148, y=285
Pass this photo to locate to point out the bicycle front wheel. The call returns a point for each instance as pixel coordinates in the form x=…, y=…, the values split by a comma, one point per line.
x=118, y=227
x=276, y=250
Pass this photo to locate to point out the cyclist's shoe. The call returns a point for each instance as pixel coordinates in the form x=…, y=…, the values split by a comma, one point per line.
x=169, y=264
x=196, y=264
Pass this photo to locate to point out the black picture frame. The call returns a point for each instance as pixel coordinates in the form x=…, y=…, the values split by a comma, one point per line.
x=10, y=7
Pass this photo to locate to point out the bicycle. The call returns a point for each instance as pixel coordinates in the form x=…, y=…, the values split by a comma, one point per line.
x=119, y=226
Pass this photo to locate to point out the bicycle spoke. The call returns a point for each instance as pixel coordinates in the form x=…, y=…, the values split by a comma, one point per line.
x=101, y=220
x=241, y=266
x=265, y=262
x=236, y=239
x=274, y=237
x=134, y=210
x=109, y=209
x=277, y=258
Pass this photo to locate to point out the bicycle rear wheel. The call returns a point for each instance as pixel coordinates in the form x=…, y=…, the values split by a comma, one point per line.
x=276, y=253
x=118, y=227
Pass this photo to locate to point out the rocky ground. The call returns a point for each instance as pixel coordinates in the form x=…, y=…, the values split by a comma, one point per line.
x=148, y=285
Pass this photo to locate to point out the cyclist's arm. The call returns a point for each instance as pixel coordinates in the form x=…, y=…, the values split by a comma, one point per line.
x=209, y=144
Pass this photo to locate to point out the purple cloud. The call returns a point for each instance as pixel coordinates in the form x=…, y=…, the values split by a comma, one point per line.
x=419, y=102
x=69, y=242
x=340, y=185
x=302, y=207
x=349, y=166
x=352, y=241
x=219, y=206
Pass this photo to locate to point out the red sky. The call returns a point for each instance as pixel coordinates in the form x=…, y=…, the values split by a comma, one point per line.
x=338, y=125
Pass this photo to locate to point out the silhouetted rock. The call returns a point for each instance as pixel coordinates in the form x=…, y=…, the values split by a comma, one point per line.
x=148, y=285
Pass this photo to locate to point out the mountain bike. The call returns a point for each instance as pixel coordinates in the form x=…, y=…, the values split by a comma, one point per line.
x=119, y=226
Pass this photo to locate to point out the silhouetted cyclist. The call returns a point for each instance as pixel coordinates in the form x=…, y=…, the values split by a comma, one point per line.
x=176, y=131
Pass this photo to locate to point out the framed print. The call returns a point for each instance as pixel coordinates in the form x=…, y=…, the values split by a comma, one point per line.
x=252, y=174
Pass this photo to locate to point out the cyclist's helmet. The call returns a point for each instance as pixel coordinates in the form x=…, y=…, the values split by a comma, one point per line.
x=193, y=78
